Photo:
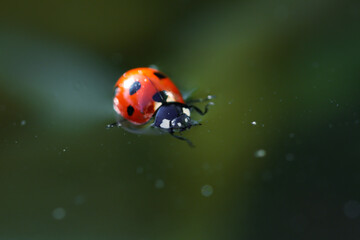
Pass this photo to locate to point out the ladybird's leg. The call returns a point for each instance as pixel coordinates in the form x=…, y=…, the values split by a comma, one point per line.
x=208, y=98
x=183, y=139
x=202, y=112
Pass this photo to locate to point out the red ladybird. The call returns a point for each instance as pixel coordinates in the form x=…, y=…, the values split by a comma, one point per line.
x=145, y=93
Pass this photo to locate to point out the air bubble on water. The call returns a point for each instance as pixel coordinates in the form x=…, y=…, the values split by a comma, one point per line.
x=289, y=157
x=315, y=64
x=23, y=123
x=159, y=184
x=79, y=199
x=253, y=123
x=139, y=170
x=206, y=166
x=352, y=209
x=260, y=153
x=64, y=150
x=267, y=176
x=207, y=190
x=58, y=213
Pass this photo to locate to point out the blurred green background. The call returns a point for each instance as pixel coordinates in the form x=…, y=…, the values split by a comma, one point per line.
x=277, y=157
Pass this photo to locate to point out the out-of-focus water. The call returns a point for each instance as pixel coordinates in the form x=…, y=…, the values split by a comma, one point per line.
x=277, y=157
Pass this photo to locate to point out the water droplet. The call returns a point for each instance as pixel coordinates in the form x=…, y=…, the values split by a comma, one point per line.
x=260, y=153
x=139, y=170
x=267, y=176
x=79, y=199
x=23, y=123
x=58, y=213
x=159, y=184
x=253, y=123
x=315, y=64
x=289, y=157
x=206, y=166
x=352, y=209
x=207, y=190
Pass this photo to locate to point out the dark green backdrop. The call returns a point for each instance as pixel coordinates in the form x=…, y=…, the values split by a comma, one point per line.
x=277, y=157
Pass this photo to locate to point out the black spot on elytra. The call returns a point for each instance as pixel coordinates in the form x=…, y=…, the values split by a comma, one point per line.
x=160, y=75
x=134, y=87
x=160, y=96
x=130, y=110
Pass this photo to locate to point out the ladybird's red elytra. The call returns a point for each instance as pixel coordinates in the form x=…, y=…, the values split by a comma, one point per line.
x=137, y=94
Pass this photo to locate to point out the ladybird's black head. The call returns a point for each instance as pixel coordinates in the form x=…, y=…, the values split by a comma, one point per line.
x=173, y=117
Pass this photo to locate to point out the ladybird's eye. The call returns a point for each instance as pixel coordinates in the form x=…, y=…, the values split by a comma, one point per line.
x=160, y=75
x=134, y=87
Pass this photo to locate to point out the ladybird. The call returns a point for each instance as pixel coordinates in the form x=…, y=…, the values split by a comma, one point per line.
x=145, y=94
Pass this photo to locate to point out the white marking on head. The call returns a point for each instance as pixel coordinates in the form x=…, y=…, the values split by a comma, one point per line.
x=186, y=120
x=179, y=124
x=165, y=123
x=186, y=111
